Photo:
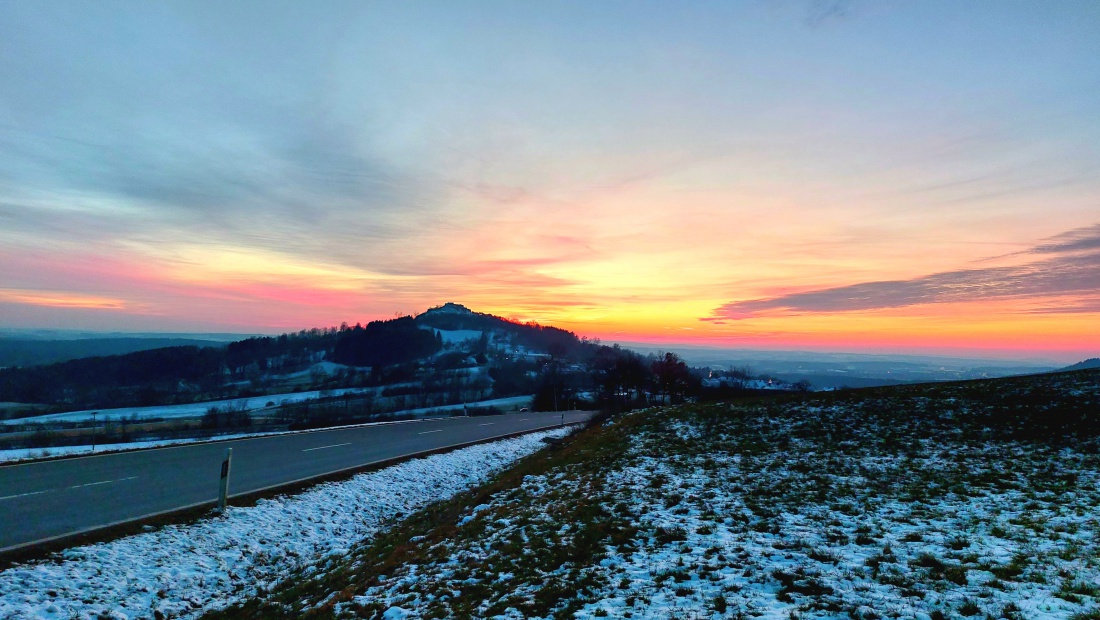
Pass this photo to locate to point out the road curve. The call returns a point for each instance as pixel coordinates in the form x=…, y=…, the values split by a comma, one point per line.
x=51, y=499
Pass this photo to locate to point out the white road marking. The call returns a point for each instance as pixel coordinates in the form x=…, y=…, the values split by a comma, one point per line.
x=335, y=445
x=76, y=486
x=524, y=419
x=438, y=430
x=95, y=484
x=486, y=424
x=23, y=495
x=91, y=484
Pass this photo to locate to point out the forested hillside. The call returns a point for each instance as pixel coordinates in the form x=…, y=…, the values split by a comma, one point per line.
x=446, y=355
x=392, y=349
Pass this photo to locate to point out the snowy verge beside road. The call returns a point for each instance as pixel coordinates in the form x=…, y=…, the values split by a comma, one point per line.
x=182, y=570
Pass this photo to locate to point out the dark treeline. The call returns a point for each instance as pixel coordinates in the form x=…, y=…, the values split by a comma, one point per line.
x=162, y=376
x=134, y=379
x=189, y=373
x=384, y=343
x=612, y=377
x=288, y=351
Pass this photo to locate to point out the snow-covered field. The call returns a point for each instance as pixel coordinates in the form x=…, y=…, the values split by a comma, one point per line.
x=189, y=410
x=876, y=508
x=180, y=571
x=197, y=410
x=455, y=336
x=32, y=454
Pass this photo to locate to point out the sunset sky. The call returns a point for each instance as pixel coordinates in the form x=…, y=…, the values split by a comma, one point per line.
x=853, y=176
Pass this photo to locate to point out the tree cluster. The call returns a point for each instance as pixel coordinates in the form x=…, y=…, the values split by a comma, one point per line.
x=384, y=343
x=288, y=351
x=134, y=379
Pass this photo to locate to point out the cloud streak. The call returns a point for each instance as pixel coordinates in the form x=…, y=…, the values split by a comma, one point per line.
x=1067, y=265
x=61, y=299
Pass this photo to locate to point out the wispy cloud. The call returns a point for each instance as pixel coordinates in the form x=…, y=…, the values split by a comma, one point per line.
x=1078, y=306
x=1085, y=239
x=1067, y=265
x=821, y=12
x=61, y=299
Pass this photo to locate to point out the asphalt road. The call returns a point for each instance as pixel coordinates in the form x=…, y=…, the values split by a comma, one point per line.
x=42, y=501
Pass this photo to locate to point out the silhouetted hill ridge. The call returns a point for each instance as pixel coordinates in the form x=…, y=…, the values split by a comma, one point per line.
x=37, y=351
x=1092, y=362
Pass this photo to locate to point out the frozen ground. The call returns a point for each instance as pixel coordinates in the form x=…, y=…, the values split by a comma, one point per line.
x=798, y=531
x=180, y=571
x=928, y=505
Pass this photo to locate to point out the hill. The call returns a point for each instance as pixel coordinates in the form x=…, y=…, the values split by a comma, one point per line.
x=36, y=352
x=430, y=354
x=968, y=499
x=837, y=369
x=519, y=336
x=1092, y=362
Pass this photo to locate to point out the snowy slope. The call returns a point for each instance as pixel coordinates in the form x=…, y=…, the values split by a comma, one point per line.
x=703, y=550
x=893, y=508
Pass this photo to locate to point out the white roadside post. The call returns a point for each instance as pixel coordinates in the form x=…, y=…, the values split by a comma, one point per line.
x=93, y=430
x=223, y=493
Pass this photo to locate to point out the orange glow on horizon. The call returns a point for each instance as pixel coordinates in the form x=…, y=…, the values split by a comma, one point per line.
x=62, y=299
x=974, y=328
x=655, y=300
